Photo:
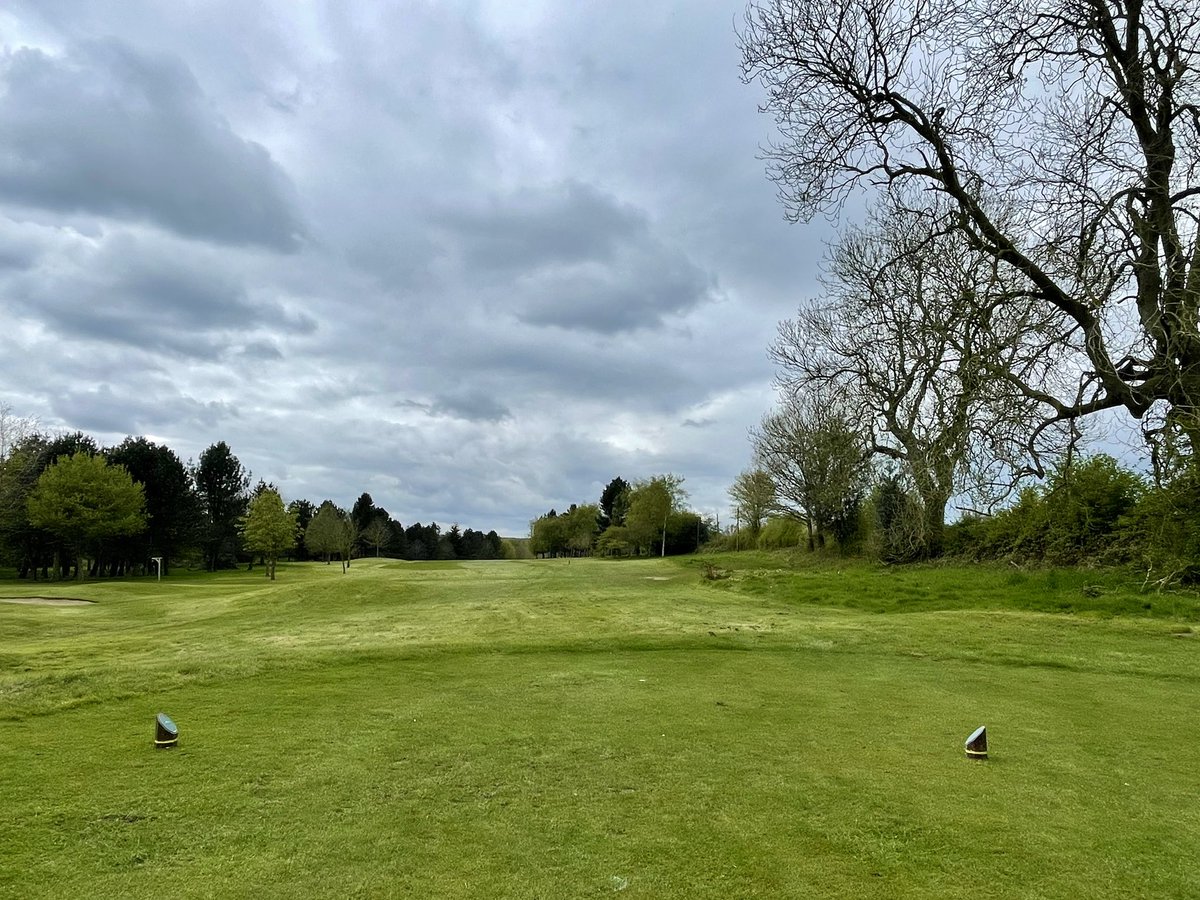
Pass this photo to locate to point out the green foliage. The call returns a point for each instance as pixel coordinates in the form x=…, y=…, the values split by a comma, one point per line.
x=172, y=505
x=223, y=486
x=1084, y=503
x=581, y=526
x=81, y=499
x=899, y=534
x=687, y=532
x=779, y=533
x=753, y=494
x=615, y=541
x=614, y=503
x=1161, y=533
x=650, y=504
x=323, y=535
x=268, y=528
x=1092, y=511
x=19, y=473
x=548, y=535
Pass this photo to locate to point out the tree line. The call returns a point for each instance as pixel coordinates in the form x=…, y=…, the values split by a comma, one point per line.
x=645, y=517
x=70, y=507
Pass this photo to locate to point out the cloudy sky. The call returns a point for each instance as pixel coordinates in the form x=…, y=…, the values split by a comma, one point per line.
x=476, y=258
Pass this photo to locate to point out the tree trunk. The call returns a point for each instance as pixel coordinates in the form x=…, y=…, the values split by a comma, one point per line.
x=935, y=526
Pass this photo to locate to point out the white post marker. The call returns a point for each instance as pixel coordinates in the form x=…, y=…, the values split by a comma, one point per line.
x=158, y=565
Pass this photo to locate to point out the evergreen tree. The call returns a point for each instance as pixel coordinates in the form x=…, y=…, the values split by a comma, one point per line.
x=222, y=484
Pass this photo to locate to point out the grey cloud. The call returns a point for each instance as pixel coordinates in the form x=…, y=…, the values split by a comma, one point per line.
x=133, y=408
x=144, y=293
x=571, y=256
x=645, y=287
x=563, y=223
x=112, y=131
x=473, y=407
x=261, y=350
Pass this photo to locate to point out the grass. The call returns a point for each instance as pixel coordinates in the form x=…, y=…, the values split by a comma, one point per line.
x=545, y=729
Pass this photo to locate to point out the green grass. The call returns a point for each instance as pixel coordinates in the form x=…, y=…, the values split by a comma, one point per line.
x=545, y=729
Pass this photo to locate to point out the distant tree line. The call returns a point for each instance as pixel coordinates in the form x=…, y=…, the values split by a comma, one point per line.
x=643, y=518
x=70, y=508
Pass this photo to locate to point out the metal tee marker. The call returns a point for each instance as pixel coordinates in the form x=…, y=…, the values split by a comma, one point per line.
x=166, y=732
x=977, y=743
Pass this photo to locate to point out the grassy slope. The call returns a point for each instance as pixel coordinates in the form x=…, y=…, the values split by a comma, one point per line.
x=543, y=729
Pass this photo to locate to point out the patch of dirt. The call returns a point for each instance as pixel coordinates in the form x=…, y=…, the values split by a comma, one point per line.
x=47, y=601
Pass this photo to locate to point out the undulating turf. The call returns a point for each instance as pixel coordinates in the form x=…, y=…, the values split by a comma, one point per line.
x=554, y=729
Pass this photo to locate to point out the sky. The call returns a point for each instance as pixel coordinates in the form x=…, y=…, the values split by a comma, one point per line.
x=474, y=258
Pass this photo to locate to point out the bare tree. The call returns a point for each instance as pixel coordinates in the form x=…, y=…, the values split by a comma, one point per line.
x=818, y=459
x=918, y=335
x=1079, y=117
x=377, y=533
x=13, y=430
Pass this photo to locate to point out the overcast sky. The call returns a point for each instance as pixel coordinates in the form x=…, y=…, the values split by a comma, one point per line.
x=476, y=258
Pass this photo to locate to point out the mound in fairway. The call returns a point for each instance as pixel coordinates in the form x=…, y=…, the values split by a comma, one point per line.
x=539, y=729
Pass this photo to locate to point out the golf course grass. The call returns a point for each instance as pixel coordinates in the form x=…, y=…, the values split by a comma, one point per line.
x=593, y=728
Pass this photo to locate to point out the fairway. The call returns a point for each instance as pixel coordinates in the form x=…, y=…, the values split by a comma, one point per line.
x=594, y=728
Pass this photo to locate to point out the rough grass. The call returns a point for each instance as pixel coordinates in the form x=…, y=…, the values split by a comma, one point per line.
x=545, y=729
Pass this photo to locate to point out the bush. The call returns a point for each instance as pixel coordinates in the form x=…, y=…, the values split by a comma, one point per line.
x=1084, y=504
x=1161, y=532
x=899, y=533
x=782, y=533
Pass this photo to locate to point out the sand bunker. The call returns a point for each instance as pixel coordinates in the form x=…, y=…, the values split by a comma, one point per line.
x=47, y=601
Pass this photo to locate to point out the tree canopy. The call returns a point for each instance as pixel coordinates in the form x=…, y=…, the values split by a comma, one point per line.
x=81, y=498
x=269, y=528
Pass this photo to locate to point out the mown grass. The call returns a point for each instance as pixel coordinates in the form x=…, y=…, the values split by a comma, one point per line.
x=545, y=729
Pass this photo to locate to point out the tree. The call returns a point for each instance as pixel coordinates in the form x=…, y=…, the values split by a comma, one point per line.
x=377, y=533
x=651, y=502
x=81, y=499
x=450, y=545
x=14, y=430
x=222, y=484
x=24, y=543
x=1078, y=115
x=172, y=506
x=816, y=454
x=548, y=535
x=323, y=532
x=581, y=527
x=753, y=494
x=268, y=528
x=304, y=511
x=345, y=536
x=614, y=503
x=916, y=336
